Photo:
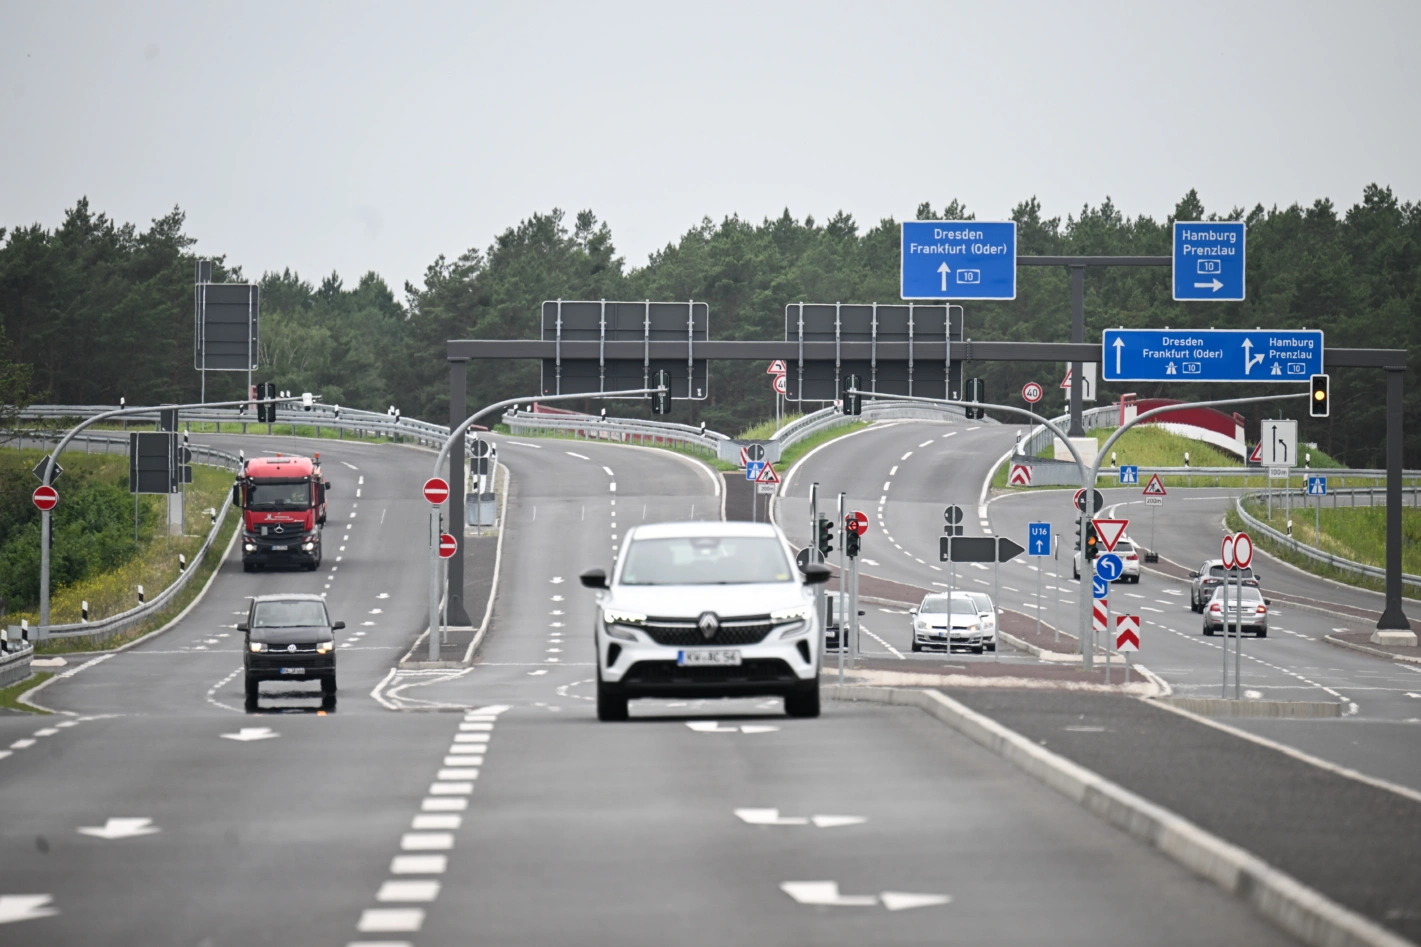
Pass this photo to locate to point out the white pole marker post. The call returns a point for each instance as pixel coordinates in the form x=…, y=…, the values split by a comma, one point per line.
x=843, y=594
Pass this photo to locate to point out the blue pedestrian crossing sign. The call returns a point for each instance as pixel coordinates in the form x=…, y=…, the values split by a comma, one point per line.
x=1099, y=587
x=1208, y=260
x=1317, y=486
x=1109, y=566
x=753, y=468
x=1129, y=473
x=1038, y=539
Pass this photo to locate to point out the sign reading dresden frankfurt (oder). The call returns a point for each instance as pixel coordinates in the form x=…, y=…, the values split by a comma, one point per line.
x=1208, y=260
x=1280, y=355
x=958, y=259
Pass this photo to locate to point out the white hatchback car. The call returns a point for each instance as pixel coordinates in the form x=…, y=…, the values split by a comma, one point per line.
x=707, y=609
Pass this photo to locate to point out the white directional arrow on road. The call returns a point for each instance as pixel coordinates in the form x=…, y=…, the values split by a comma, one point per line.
x=1213, y=284
x=826, y=893
x=25, y=907
x=120, y=828
x=943, y=271
x=248, y=734
x=773, y=817
x=713, y=726
x=835, y=821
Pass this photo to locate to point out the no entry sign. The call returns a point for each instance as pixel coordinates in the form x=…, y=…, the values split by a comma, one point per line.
x=448, y=545
x=45, y=497
x=856, y=523
x=436, y=490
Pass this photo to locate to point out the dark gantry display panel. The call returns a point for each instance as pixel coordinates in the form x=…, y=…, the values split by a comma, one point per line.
x=897, y=326
x=613, y=321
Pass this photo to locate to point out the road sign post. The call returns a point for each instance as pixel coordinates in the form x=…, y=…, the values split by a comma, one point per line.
x=1031, y=392
x=1038, y=544
x=1129, y=475
x=1209, y=261
x=958, y=259
x=1212, y=355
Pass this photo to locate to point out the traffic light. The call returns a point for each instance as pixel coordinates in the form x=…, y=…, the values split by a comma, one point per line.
x=853, y=404
x=825, y=539
x=1317, y=406
x=851, y=544
x=661, y=400
x=1092, y=541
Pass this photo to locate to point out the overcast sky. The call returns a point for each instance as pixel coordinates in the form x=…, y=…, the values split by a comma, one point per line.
x=353, y=137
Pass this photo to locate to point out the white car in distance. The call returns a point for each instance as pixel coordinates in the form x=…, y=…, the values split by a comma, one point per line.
x=707, y=609
x=934, y=629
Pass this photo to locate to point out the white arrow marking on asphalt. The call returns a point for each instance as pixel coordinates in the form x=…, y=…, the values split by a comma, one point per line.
x=556, y=580
x=1248, y=362
x=1214, y=284
x=1119, y=345
x=768, y=817
x=120, y=828
x=835, y=821
x=943, y=271
x=825, y=893
x=709, y=726
x=248, y=734
x=902, y=900
x=25, y=907
x=756, y=729
x=383, y=595
x=1414, y=695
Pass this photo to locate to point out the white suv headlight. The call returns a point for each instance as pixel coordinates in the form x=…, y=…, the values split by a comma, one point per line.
x=612, y=618
x=792, y=622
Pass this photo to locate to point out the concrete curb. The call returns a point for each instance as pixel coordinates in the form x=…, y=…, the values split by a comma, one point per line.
x=1279, y=709
x=1375, y=652
x=1282, y=899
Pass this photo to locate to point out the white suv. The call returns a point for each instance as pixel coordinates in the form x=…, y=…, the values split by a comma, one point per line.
x=707, y=610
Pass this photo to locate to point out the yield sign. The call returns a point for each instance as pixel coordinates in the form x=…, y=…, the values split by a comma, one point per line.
x=1155, y=488
x=767, y=474
x=1127, y=633
x=1110, y=531
x=777, y=367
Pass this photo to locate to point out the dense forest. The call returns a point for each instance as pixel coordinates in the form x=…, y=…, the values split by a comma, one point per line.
x=95, y=309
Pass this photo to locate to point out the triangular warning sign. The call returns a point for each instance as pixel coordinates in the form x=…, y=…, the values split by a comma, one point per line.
x=1110, y=531
x=1257, y=456
x=767, y=475
x=1066, y=382
x=1155, y=488
x=777, y=367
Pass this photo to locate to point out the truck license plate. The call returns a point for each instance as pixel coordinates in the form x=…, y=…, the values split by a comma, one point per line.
x=278, y=548
x=685, y=658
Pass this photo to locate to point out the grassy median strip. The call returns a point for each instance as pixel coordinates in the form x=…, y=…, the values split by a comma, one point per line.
x=10, y=696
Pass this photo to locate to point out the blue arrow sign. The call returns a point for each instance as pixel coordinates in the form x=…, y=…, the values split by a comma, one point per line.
x=1099, y=586
x=1108, y=566
x=1038, y=539
x=1208, y=260
x=1212, y=355
x=1129, y=473
x=958, y=259
x=1317, y=486
x=753, y=468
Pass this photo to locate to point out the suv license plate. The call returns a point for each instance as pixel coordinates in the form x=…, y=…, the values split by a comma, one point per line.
x=278, y=548
x=685, y=658
x=293, y=670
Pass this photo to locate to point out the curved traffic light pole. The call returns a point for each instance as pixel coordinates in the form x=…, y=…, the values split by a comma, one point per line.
x=52, y=461
x=454, y=435
x=1088, y=475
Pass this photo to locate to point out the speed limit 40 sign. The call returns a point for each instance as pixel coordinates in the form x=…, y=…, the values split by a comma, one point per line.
x=1031, y=392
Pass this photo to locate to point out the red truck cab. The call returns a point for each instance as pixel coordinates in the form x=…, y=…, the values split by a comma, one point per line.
x=283, y=504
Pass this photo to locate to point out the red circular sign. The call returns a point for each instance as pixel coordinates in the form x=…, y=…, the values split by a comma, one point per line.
x=45, y=497
x=1227, y=551
x=448, y=545
x=1243, y=550
x=856, y=523
x=1031, y=392
x=436, y=490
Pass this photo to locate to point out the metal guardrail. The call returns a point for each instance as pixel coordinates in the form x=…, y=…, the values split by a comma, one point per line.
x=339, y=419
x=621, y=430
x=113, y=624
x=1040, y=437
x=1312, y=552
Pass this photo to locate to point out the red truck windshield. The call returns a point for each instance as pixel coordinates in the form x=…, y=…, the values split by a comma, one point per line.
x=279, y=495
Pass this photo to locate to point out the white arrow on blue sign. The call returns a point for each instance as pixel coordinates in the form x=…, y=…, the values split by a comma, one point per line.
x=1266, y=355
x=1129, y=473
x=1038, y=539
x=958, y=259
x=1099, y=586
x=753, y=468
x=1317, y=486
x=1109, y=566
x=1208, y=260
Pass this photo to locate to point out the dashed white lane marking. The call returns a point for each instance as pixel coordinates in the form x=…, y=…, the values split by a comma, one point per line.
x=578, y=456
x=609, y=471
x=975, y=428
x=350, y=465
x=361, y=480
x=419, y=864
x=894, y=471
x=357, y=492
x=896, y=653
x=882, y=500
x=948, y=434
x=925, y=443
x=887, y=484
x=408, y=891
x=521, y=444
x=212, y=692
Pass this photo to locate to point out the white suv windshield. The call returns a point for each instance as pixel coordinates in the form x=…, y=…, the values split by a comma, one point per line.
x=706, y=560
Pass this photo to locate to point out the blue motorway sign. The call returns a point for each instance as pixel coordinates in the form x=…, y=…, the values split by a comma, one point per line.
x=1038, y=539
x=1099, y=587
x=958, y=259
x=1317, y=486
x=1129, y=473
x=1212, y=355
x=753, y=468
x=1208, y=260
x=1108, y=566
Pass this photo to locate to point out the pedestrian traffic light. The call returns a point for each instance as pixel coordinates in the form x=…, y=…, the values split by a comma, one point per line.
x=1092, y=541
x=851, y=544
x=1317, y=406
x=661, y=400
x=825, y=539
x=853, y=404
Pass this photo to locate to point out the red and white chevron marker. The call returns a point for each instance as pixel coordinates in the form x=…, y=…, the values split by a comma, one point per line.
x=1100, y=608
x=1020, y=476
x=1127, y=633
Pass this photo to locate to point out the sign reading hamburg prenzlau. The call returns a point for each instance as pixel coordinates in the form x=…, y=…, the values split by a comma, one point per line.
x=958, y=259
x=1208, y=260
x=1266, y=355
